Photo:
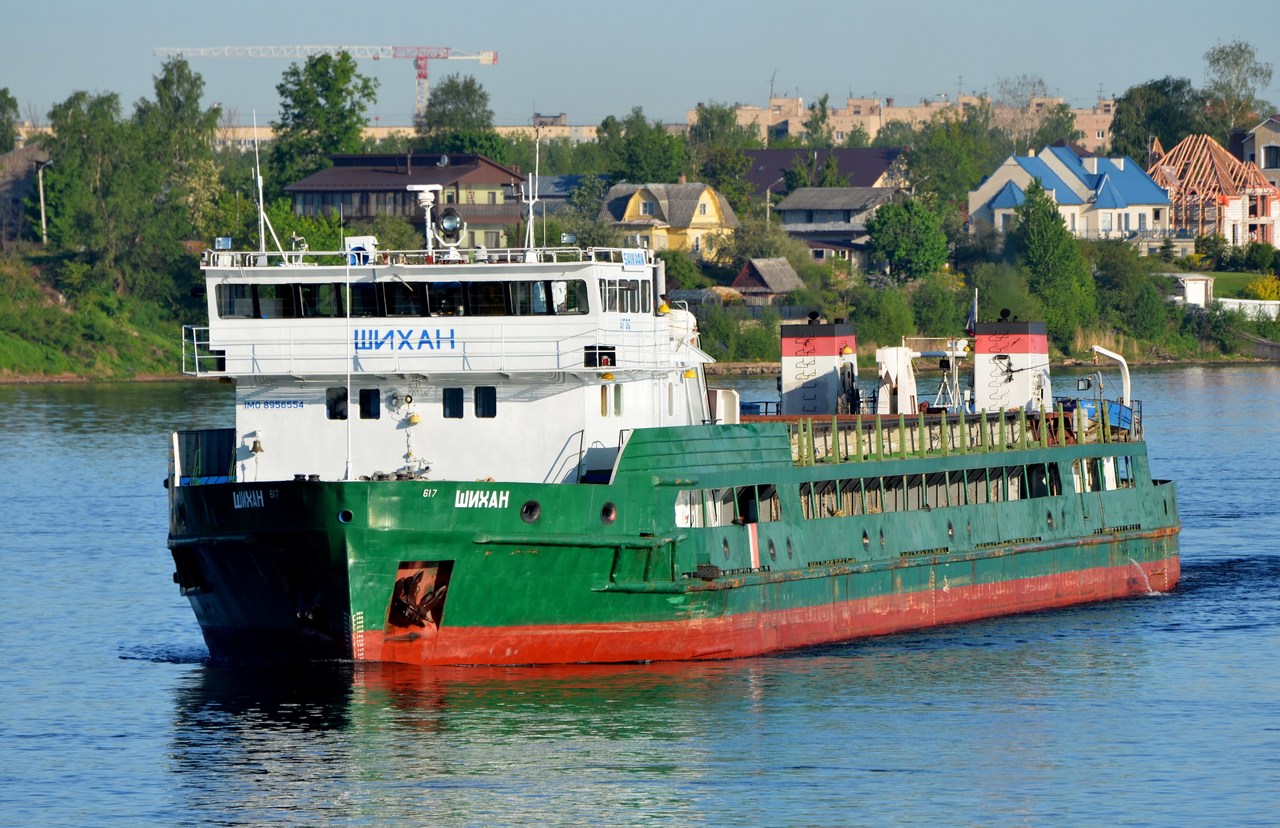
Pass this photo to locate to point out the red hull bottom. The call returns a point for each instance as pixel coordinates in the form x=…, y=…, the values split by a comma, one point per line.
x=756, y=633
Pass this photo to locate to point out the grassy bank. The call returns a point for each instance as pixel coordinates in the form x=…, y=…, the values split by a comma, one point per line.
x=43, y=336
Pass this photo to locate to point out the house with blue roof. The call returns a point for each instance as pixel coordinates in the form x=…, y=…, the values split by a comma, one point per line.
x=1099, y=198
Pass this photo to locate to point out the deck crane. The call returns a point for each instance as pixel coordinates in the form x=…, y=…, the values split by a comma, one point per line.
x=420, y=55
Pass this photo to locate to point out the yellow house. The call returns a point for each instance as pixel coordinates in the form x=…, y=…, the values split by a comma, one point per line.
x=668, y=216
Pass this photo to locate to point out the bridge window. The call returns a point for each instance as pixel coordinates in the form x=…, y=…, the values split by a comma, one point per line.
x=335, y=403
x=453, y=402
x=370, y=404
x=486, y=397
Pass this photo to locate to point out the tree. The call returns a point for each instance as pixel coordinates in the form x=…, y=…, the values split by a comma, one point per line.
x=937, y=307
x=715, y=130
x=179, y=136
x=582, y=218
x=8, y=120
x=1169, y=109
x=1014, y=111
x=322, y=112
x=857, y=138
x=909, y=238
x=955, y=150
x=895, y=134
x=1058, y=124
x=457, y=104
x=638, y=151
x=725, y=170
x=1234, y=77
x=818, y=132
x=1059, y=276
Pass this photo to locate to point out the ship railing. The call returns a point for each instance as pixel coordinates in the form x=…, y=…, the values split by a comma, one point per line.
x=842, y=438
x=304, y=257
x=287, y=350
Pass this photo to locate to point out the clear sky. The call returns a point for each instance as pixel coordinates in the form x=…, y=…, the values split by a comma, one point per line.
x=593, y=58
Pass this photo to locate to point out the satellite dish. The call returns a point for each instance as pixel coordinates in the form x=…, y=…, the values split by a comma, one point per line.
x=444, y=161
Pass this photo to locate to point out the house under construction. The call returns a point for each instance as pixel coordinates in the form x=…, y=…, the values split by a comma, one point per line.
x=1213, y=193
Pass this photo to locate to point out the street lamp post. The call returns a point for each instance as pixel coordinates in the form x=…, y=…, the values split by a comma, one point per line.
x=44, y=228
x=768, y=198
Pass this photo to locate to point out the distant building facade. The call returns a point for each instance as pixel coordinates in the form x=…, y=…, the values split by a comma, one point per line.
x=786, y=116
x=1099, y=198
x=668, y=216
x=484, y=192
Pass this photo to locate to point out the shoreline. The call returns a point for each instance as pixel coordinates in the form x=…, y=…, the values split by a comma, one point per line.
x=716, y=369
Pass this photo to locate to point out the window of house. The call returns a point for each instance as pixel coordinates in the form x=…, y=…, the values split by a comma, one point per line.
x=1270, y=157
x=702, y=209
x=646, y=208
x=493, y=197
x=1100, y=134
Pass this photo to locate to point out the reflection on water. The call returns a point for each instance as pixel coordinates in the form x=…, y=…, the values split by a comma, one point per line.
x=1121, y=713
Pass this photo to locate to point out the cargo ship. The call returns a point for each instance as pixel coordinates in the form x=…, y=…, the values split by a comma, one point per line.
x=469, y=456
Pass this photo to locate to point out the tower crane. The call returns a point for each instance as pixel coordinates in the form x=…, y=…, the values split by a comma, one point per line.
x=420, y=55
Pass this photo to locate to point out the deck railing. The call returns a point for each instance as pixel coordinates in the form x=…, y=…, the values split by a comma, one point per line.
x=846, y=438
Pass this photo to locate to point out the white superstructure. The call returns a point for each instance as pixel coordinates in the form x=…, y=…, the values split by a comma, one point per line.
x=518, y=365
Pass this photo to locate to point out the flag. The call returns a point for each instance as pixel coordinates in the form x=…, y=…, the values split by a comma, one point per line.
x=971, y=324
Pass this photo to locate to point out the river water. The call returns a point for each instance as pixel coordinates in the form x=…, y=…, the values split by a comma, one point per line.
x=1159, y=710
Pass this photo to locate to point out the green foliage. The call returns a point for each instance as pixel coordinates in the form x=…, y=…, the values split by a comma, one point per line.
x=1212, y=248
x=322, y=112
x=856, y=138
x=1264, y=287
x=394, y=232
x=1003, y=286
x=955, y=151
x=716, y=130
x=1217, y=326
x=818, y=132
x=457, y=104
x=466, y=142
x=882, y=316
x=909, y=237
x=320, y=232
x=638, y=151
x=1129, y=293
x=683, y=272
x=582, y=218
x=725, y=170
x=938, y=307
x=1261, y=257
x=1234, y=76
x=101, y=336
x=8, y=120
x=1169, y=109
x=729, y=334
x=1060, y=277
x=756, y=239
x=895, y=134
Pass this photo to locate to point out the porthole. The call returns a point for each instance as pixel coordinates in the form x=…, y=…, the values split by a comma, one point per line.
x=608, y=514
x=726, y=549
x=530, y=511
x=345, y=516
x=790, y=552
x=968, y=527
x=866, y=541
x=882, y=539
x=951, y=531
x=1049, y=519
x=773, y=551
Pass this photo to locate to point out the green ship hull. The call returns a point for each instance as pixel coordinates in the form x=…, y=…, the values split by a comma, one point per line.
x=708, y=542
